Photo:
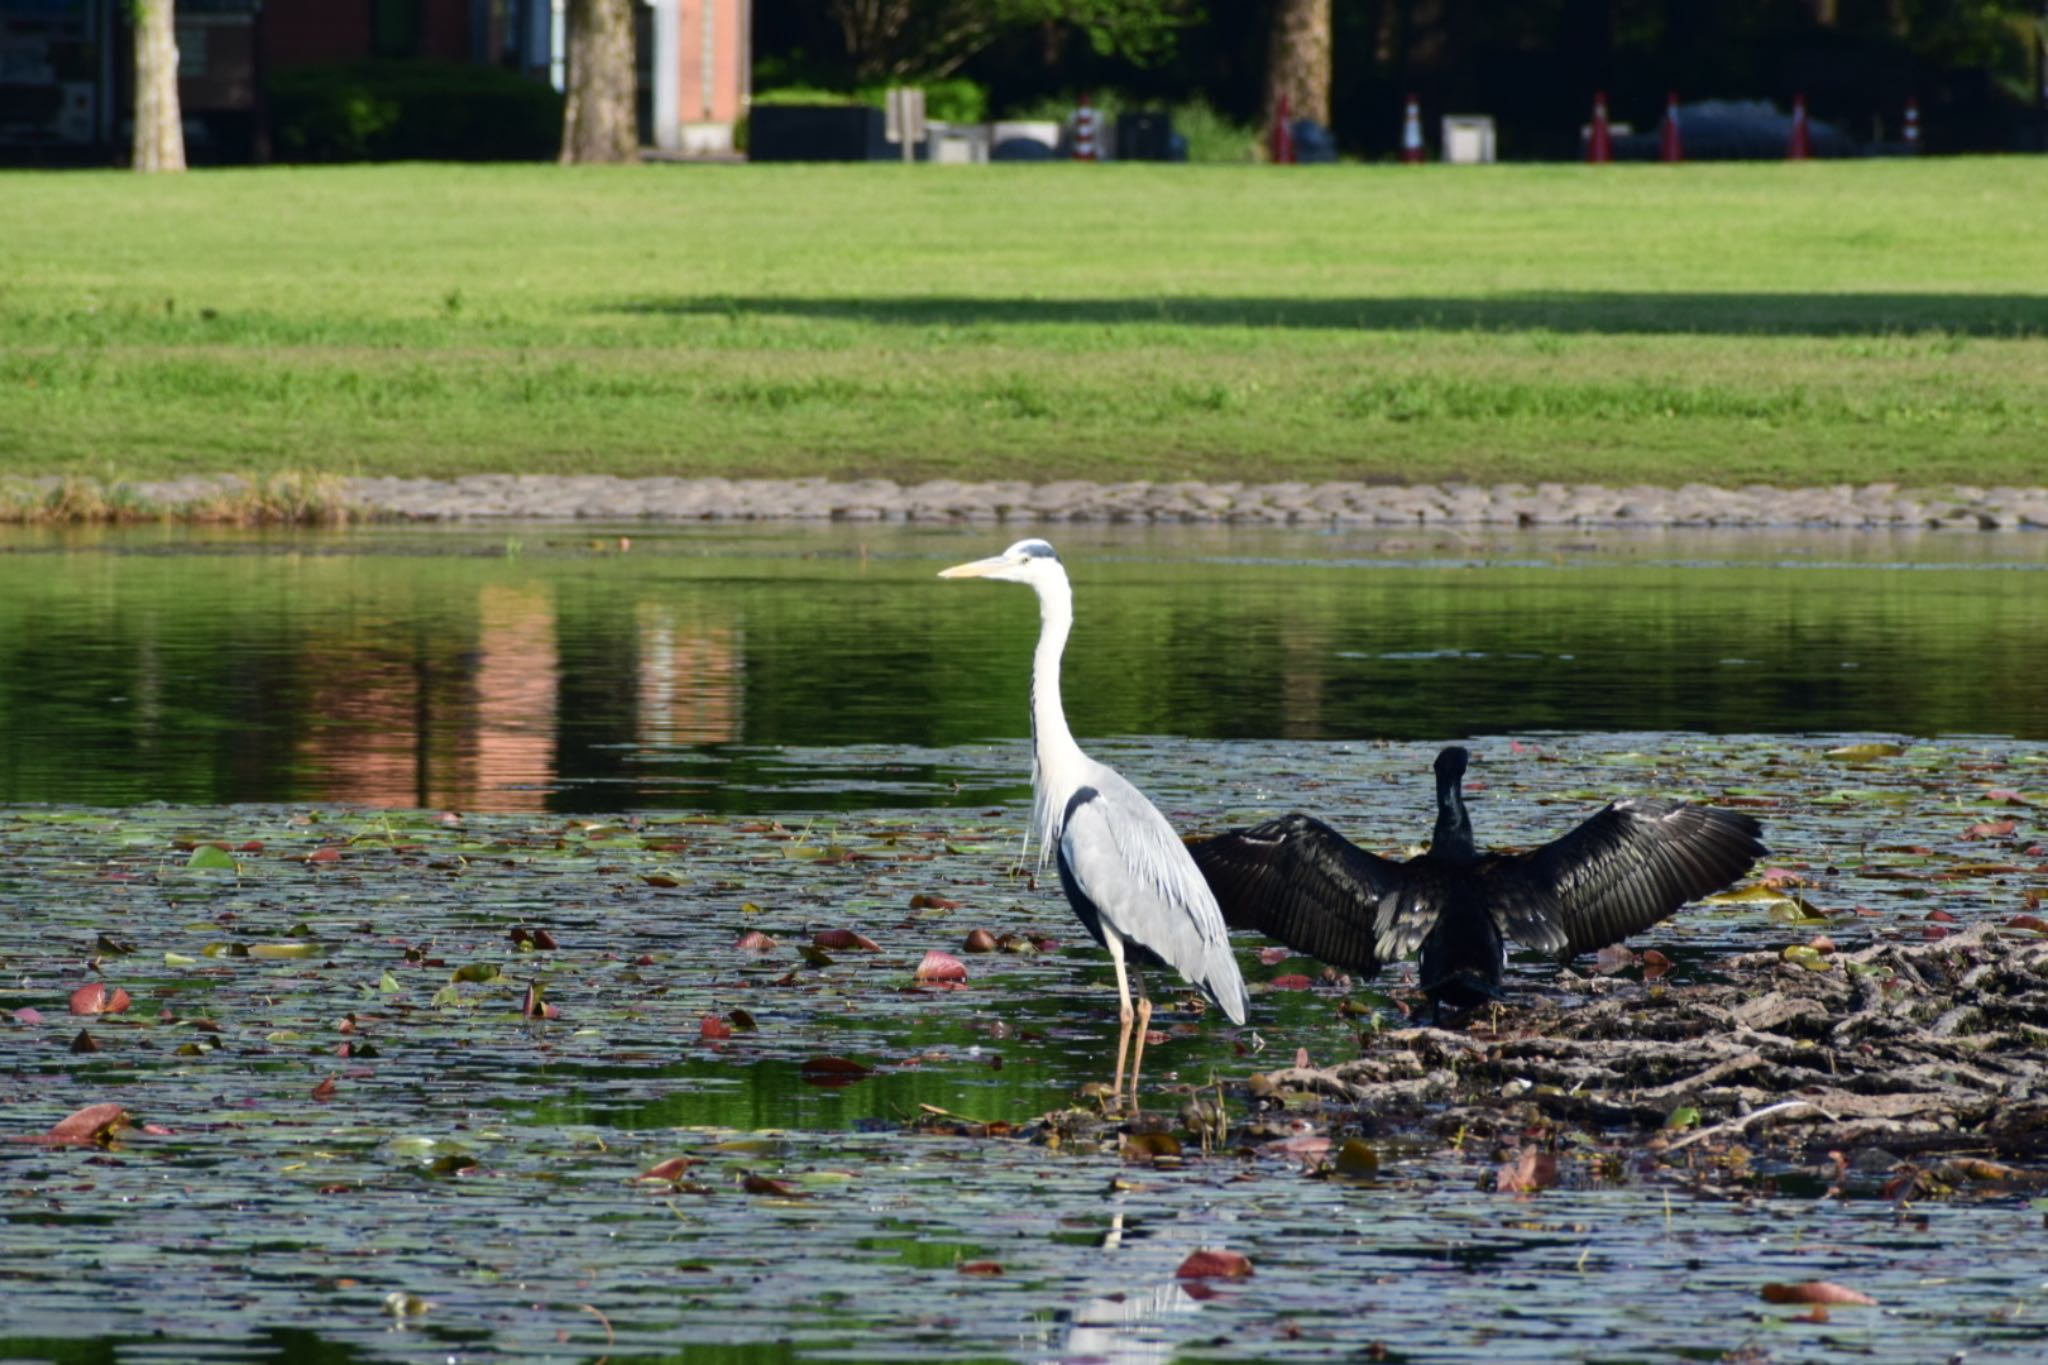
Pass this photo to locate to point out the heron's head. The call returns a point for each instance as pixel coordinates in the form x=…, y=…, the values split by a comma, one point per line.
x=1028, y=561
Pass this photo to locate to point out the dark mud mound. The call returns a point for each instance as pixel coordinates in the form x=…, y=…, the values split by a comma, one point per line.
x=1921, y=1048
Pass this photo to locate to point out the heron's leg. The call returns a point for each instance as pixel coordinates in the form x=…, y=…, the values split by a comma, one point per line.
x=1123, y=992
x=1144, y=1026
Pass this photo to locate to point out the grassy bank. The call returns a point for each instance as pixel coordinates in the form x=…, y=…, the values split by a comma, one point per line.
x=1786, y=323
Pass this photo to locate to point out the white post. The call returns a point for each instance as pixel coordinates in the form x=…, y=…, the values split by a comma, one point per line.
x=668, y=56
x=558, y=44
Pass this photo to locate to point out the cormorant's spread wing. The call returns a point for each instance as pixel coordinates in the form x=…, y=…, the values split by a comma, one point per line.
x=1299, y=881
x=1627, y=867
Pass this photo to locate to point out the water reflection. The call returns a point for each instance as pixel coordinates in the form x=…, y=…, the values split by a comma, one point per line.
x=549, y=670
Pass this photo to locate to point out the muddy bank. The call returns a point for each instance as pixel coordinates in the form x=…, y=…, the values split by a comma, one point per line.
x=485, y=496
x=1906, y=1048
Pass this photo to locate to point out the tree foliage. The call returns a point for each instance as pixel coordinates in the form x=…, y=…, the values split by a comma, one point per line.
x=924, y=39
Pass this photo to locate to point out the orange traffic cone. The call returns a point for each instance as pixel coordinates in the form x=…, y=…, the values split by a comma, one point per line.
x=1411, y=134
x=1084, y=130
x=1802, y=138
x=1912, y=125
x=1674, y=146
x=1600, y=140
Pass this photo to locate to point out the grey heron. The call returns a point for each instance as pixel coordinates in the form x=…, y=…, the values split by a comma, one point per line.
x=1128, y=876
x=1627, y=867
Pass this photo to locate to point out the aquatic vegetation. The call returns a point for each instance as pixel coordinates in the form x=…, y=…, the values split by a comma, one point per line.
x=410, y=1084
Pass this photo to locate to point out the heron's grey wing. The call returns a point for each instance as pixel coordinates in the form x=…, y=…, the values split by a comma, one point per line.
x=1128, y=861
x=1630, y=865
x=1297, y=880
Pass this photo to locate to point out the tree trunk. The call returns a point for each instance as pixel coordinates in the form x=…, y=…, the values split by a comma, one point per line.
x=598, y=124
x=159, y=131
x=1298, y=64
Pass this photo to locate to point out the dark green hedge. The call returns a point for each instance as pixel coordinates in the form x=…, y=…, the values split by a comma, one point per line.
x=412, y=111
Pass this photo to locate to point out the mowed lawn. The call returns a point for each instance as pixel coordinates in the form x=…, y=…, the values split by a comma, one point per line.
x=1788, y=323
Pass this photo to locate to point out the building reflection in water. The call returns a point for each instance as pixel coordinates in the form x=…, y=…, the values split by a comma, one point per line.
x=466, y=714
x=691, y=686
x=512, y=756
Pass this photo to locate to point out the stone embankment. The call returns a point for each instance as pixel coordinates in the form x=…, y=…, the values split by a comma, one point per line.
x=1872, y=506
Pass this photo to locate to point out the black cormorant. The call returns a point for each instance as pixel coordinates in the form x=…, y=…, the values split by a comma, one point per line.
x=1299, y=881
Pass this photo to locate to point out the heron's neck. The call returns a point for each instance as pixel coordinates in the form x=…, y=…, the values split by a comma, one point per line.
x=1051, y=741
x=1056, y=760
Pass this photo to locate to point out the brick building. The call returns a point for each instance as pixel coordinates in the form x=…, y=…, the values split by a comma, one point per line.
x=66, y=66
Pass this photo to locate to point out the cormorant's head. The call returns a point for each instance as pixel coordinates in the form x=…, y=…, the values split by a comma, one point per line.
x=1028, y=561
x=1450, y=763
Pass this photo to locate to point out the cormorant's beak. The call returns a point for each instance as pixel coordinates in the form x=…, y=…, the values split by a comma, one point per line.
x=980, y=568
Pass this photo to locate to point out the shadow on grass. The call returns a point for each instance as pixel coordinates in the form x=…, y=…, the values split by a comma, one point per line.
x=1751, y=314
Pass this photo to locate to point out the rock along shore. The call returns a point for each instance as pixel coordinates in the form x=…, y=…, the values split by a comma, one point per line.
x=602, y=497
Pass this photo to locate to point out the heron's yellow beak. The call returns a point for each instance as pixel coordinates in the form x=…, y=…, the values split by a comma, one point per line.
x=979, y=568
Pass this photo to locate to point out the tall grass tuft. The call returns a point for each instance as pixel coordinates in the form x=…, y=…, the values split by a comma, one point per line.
x=286, y=498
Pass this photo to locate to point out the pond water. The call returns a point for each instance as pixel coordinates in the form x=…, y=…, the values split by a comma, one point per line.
x=580, y=669
x=416, y=746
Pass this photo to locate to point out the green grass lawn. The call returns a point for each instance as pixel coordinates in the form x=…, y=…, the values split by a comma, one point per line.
x=1784, y=323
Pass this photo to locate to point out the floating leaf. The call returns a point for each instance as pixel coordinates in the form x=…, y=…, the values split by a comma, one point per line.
x=981, y=1268
x=924, y=902
x=84, y=1042
x=1220, y=1265
x=1273, y=957
x=324, y=1091
x=710, y=1026
x=742, y=1021
x=1655, y=964
x=92, y=1124
x=1150, y=1146
x=754, y=941
x=1683, y=1117
x=321, y=857
x=1613, y=958
x=662, y=879
x=833, y=1071
x=844, y=939
x=212, y=858
x=671, y=1169
x=816, y=957
x=980, y=941
x=477, y=971
x=1293, y=982
x=1991, y=829
x=279, y=951
x=1799, y=955
x=781, y=1189
x=1863, y=753
x=97, y=999
x=1357, y=1158
x=1528, y=1171
x=1815, y=1291
x=938, y=966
